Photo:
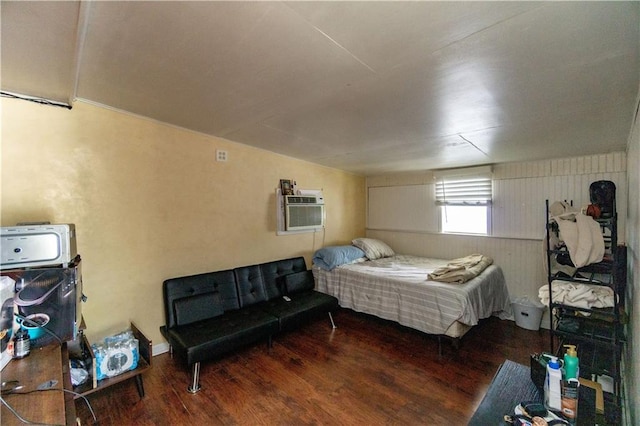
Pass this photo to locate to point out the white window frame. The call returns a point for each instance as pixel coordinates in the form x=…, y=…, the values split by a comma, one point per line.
x=464, y=187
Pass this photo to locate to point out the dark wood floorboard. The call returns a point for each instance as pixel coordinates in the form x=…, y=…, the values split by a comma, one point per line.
x=367, y=371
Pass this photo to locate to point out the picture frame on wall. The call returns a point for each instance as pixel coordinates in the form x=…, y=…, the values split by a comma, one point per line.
x=285, y=187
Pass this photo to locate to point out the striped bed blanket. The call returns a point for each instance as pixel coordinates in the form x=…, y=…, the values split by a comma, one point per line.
x=397, y=288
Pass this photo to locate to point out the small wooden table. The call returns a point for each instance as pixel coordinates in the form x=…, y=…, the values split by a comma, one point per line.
x=51, y=363
x=144, y=363
x=42, y=365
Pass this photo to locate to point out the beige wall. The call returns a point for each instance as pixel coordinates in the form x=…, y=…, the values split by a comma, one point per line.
x=150, y=202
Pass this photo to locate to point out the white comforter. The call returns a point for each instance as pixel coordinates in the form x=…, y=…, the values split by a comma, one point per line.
x=580, y=233
x=397, y=289
x=578, y=294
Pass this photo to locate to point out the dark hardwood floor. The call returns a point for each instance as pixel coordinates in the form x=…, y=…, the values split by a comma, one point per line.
x=367, y=371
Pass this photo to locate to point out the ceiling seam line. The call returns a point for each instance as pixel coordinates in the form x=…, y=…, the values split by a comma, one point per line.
x=473, y=145
x=81, y=34
x=332, y=40
x=481, y=30
x=344, y=48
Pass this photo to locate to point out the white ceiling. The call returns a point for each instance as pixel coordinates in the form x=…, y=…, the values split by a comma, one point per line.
x=367, y=87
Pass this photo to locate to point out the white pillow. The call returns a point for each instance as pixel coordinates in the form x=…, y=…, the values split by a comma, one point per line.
x=372, y=248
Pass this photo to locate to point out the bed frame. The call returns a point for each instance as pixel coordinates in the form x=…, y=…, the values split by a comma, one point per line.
x=397, y=288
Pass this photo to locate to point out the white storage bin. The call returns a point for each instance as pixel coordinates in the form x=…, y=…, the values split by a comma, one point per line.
x=527, y=313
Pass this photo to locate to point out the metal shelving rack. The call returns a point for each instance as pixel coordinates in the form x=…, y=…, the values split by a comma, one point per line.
x=597, y=332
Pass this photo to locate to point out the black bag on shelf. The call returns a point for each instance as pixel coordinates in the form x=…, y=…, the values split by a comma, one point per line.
x=568, y=325
x=538, y=370
x=603, y=193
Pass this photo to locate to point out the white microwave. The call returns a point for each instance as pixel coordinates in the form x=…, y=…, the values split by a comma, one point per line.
x=37, y=245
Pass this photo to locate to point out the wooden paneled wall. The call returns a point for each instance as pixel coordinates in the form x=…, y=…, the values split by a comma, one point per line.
x=518, y=213
x=520, y=191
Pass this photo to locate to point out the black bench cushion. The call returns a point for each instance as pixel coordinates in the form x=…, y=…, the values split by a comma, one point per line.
x=250, y=285
x=298, y=282
x=204, y=340
x=221, y=283
x=191, y=309
x=302, y=308
x=272, y=273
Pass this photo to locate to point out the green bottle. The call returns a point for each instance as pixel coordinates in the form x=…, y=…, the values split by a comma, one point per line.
x=571, y=366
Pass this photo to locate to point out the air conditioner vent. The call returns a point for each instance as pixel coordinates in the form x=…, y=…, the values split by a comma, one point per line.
x=304, y=212
x=301, y=199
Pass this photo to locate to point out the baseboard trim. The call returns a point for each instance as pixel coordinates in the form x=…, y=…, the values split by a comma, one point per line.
x=160, y=348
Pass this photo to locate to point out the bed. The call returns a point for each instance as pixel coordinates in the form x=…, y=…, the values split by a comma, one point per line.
x=396, y=287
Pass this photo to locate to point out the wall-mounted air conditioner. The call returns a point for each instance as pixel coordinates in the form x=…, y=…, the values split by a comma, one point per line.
x=303, y=212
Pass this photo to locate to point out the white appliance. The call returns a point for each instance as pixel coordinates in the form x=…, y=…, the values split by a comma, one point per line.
x=47, y=301
x=304, y=212
x=37, y=245
x=41, y=266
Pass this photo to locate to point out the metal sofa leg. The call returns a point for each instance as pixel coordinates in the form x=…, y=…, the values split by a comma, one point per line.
x=195, y=378
x=333, y=324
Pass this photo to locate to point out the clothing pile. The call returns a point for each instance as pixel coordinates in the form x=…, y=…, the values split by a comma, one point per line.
x=462, y=269
x=580, y=233
x=578, y=294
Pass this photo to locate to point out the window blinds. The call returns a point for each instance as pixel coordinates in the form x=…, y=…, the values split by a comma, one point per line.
x=463, y=189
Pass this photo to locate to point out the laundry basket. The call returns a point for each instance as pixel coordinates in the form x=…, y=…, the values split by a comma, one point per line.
x=528, y=313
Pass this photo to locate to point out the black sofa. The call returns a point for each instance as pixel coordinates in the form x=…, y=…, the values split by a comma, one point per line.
x=210, y=314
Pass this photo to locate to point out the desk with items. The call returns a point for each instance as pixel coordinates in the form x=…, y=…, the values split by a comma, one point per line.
x=512, y=386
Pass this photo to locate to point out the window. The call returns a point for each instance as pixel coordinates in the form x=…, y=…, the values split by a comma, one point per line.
x=464, y=200
x=464, y=219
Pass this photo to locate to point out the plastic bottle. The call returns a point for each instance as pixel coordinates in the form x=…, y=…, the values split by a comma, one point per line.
x=571, y=362
x=553, y=385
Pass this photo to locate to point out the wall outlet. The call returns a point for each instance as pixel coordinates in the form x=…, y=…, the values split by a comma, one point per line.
x=221, y=155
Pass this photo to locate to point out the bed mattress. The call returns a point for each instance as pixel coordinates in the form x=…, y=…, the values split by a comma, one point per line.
x=397, y=288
